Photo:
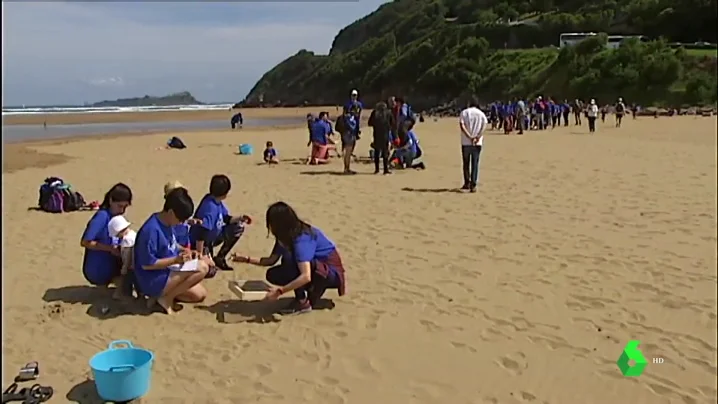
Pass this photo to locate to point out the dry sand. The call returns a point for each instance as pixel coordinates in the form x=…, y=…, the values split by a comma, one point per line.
x=161, y=116
x=525, y=292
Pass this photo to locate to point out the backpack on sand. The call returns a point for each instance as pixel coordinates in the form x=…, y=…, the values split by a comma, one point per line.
x=56, y=197
x=176, y=143
x=72, y=200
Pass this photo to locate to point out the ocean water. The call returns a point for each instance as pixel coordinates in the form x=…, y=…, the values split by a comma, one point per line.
x=30, y=110
x=14, y=133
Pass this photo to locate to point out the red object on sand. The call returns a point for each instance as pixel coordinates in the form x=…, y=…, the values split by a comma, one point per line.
x=94, y=205
x=247, y=219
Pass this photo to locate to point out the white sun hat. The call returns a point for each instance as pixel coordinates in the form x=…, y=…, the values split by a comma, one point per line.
x=117, y=224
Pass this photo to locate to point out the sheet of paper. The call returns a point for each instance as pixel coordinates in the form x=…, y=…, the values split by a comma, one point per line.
x=189, y=266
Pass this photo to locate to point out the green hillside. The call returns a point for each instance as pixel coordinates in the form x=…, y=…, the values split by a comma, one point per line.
x=504, y=48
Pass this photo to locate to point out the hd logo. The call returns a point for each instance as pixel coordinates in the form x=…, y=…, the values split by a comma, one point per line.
x=632, y=353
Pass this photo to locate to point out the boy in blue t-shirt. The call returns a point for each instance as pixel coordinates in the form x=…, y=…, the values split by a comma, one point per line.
x=217, y=226
x=270, y=154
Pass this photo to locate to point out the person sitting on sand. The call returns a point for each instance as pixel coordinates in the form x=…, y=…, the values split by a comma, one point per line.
x=216, y=226
x=310, y=263
x=101, y=263
x=181, y=231
x=270, y=154
x=158, y=257
x=407, y=150
x=319, y=139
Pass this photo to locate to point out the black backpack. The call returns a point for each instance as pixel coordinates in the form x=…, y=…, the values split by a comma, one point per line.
x=72, y=200
x=176, y=143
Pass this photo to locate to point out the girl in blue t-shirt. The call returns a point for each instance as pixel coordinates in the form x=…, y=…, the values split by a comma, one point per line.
x=101, y=262
x=159, y=259
x=310, y=263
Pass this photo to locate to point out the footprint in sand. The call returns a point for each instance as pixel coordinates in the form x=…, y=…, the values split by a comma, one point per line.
x=514, y=363
x=55, y=310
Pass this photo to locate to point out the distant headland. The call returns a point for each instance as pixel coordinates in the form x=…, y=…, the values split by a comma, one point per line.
x=181, y=98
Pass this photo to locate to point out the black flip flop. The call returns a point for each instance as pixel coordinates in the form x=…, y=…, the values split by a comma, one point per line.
x=34, y=395
x=38, y=394
x=11, y=394
x=30, y=371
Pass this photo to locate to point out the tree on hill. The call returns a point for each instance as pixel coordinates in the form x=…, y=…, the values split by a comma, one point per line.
x=408, y=47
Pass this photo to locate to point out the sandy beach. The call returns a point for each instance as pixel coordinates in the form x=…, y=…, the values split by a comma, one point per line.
x=160, y=116
x=525, y=292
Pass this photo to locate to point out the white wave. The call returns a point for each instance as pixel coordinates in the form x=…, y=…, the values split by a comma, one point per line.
x=91, y=110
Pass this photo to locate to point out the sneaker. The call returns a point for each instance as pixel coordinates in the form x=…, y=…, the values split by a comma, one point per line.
x=465, y=187
x=472, y=190
x=297, y=307
x=221, y=263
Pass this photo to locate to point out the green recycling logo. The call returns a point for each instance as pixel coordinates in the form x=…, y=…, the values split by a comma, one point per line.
x=632, y=353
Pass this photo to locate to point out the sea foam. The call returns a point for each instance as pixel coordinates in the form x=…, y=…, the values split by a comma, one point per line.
x=91, y=110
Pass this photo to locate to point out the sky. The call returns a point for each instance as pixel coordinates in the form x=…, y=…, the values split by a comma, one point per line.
x=76, y=52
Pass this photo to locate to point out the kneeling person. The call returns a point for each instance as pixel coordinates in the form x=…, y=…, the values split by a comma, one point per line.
x=216, y=227
x=158, y=256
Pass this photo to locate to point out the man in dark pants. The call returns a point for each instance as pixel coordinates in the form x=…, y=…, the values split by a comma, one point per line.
x=472, y=123
x=382, y=121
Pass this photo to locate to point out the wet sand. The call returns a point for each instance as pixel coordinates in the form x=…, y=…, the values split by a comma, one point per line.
x=160, y=116
x=525, y=292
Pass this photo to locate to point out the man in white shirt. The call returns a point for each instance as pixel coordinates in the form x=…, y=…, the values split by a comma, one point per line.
x=592, y=114
x=472, y=123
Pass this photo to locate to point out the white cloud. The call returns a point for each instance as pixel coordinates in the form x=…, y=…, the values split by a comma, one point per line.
x=77, y=52
x=108, y=82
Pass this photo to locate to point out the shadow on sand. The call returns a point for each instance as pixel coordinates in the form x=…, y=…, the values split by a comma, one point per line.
x=99, y=300
x=434, y=190
x=237, y=311
x=337, y=173
x=86, y=393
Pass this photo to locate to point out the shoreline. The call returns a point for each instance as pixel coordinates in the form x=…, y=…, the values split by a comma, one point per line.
x=25, y=154
x=71, y=118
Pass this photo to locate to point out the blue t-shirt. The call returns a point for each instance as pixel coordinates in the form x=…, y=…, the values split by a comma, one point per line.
x=355, y=107
x=99, y=267
x=307, y=247
x=269, y=153
x=413, y=142
x=155, y=241
x=212, y=213
x=320, y=130
x=181, y=232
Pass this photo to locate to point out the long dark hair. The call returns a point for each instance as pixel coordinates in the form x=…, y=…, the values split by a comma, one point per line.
x=283, y=222
x=118, y=193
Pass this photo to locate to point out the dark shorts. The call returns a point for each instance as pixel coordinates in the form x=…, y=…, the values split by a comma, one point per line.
x=348, y=140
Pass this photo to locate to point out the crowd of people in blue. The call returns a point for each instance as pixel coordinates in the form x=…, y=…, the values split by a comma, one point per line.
x=540, y=114
x=175, y=249
x=394, y=140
